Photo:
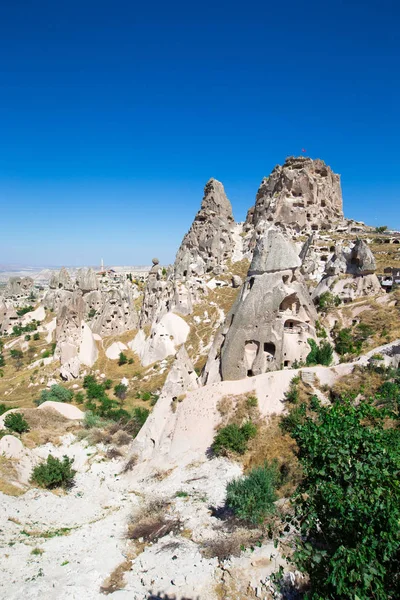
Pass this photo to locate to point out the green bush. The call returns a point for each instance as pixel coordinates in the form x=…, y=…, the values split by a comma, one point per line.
x=54, y=473
x=319, y=355
x=123, y=359
x=252, y=402
x=57, y=393
x=140, y=416
x=2, y=361
x=36, y=336
x=252, y=497
x=22, y=311
x=120, y=391
x=79, y=397
x=16, y=422
x=328, y=300
x=233, y=438
x=348, y=504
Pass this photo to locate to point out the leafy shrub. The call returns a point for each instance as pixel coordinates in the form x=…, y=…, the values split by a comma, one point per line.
x=295, y=417
x=108, y=384
x=57, y=393
x=328, y=300
x=16, y=422
x=22, y=311
x=381, y=229
x=252, y=497
x=348, y=504
x=123, y=359
x=92, y=313
x=320, y=355
x=120, y=391
x=4, y=408
x=16, y=353
x=344, y=343
x=36, y=336
x=140, y=416
x=54, y=473
x=2, y=361
x=251, y=402
x=79, y=397
x=233, y=438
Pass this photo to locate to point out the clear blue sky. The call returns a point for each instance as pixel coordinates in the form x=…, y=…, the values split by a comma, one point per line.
x=114, y=115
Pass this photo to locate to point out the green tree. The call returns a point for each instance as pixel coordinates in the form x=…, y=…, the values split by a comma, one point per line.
x=348, y=504
x=16, y=422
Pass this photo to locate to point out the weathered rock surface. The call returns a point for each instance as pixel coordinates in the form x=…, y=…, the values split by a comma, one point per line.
x=165, y=336
x=271, y=319
x=350, y=275
x=18, y=287
x=301, y=195
x=209, y=242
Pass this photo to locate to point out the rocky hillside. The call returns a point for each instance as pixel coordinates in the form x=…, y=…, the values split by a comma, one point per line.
x=161, y=390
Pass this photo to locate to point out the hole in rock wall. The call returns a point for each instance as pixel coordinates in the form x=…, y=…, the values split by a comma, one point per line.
x=251, y=283
x=269, y=348
x=286, y=363
x=250, y=373
x=290, y=303
x=251, y=349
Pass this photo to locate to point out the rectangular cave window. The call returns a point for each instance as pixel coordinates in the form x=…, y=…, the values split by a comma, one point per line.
x=285, y=363
x=270, y=348
x=250, y=373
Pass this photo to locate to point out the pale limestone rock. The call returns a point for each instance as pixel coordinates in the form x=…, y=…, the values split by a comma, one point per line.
x=86, y=280
x=350, y=275
x=115, y=350
x=69, y=411
x=88, y=352
x=18, y=287
x=236, y=281
x=271, y=320
x=209, y=242
x=165, y=337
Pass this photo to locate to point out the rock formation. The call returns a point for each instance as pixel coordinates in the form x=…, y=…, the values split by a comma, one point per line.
x=209, y=242
x=271, y=319
x=18, y=288
x=302, y=195
x=160, y=424
x=350, y=275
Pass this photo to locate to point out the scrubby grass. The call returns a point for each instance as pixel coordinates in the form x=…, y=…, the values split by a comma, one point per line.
x=233, y=438
x=152, y=522
x=252, y=497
